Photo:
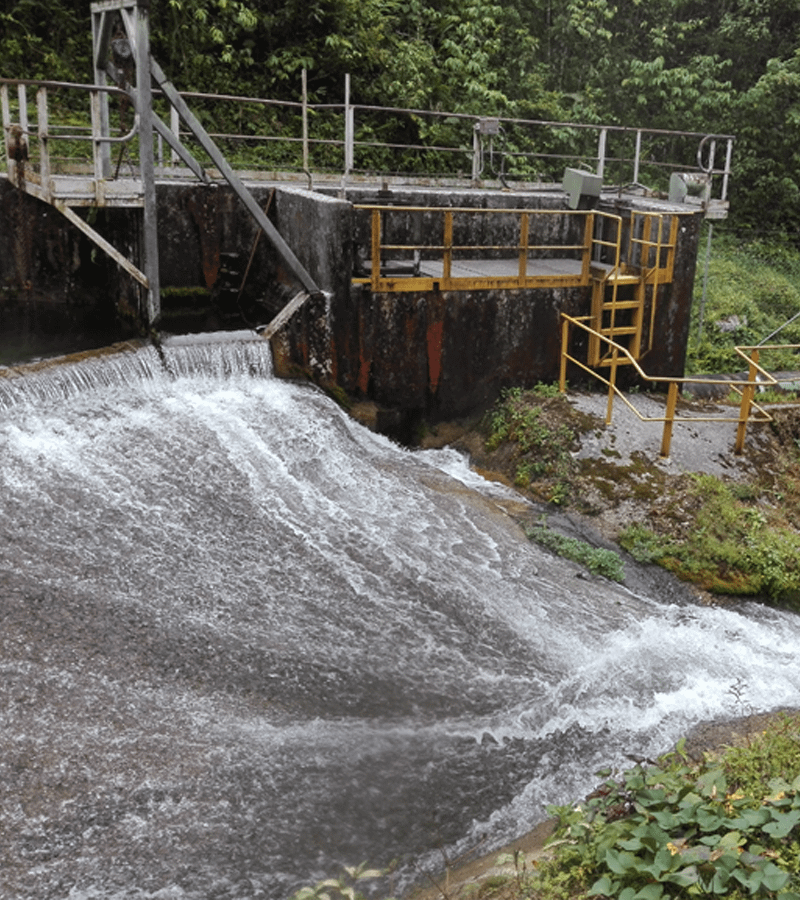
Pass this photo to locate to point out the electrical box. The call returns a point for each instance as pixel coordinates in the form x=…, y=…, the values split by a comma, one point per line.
x=582, y=188
x=694, y=185
x=488, y=126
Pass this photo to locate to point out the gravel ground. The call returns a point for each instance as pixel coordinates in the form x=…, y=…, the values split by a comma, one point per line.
x=697, y=445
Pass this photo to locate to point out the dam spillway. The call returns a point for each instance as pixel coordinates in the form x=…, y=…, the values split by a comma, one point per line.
x=246, y=641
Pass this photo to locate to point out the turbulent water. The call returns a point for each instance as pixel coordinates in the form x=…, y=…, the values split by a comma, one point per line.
x=246, y=642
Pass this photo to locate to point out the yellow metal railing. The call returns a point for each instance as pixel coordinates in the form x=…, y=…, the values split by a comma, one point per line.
x=519, y=263
x=757, y=378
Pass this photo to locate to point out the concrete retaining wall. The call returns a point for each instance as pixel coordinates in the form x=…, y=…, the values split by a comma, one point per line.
x=430, y=356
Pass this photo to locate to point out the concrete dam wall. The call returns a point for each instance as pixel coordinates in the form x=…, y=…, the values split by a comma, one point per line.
x=429, y=354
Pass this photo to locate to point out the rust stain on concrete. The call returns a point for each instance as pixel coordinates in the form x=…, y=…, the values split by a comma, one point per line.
x=434, y=336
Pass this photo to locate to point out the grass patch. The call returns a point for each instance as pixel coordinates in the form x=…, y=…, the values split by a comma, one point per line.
x=597, y=560
x=718, y=537
x=537, y=428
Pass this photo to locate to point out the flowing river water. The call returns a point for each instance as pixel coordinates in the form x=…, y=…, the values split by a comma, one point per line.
x=245, y=641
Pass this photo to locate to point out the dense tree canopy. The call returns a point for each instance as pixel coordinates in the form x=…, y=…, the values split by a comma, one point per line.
x=731, y=66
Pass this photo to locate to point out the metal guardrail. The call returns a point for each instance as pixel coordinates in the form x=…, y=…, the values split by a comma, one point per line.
x=758, y=378
x=339, y=140
x=448, y=261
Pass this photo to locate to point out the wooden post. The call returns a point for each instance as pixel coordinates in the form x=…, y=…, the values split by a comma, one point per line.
x=672, y=402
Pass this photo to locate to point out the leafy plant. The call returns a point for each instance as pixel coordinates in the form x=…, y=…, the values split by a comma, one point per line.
x=714, y=535
x=342, y=888
x=674, y=828
x=537, y=423
x=596, y=559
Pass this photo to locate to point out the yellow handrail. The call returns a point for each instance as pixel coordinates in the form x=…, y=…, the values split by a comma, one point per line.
x=447, y=249
x=757, y=377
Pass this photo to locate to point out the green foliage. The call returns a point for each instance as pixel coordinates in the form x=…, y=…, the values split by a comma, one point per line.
x=343, y=888
x=753, y=289
x=722, y=543
x=532, y=422
x=675, y=829
x=596, y=559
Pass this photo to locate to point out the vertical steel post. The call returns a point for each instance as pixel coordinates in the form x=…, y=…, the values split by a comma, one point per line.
x=43, y=126
x=636, y=156
x=101, y=27
x=523, y=246
x=447, y=259
x=477, y=164
x=147, y=162
x=175, y=128
x=669, y=418
x=612, y=384
x=747, y=401
x=562, y=377
x=601, y=151
x=726, y=174
x=375, y=250
x=22, y=99
x=305, y=126
x=349, y=127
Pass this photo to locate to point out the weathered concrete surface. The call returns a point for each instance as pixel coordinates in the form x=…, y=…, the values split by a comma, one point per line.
x=57, y=292
x=424, y=356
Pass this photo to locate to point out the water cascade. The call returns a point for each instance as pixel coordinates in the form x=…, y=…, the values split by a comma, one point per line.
x=245, y=642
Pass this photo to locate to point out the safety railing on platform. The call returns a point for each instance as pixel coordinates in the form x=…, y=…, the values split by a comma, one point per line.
x=347, y=141
x=758, y=379
x=33, y=126
x=451, y=257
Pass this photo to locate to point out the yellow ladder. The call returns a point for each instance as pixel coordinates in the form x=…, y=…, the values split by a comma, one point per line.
x=619, y=315
x=615, y=314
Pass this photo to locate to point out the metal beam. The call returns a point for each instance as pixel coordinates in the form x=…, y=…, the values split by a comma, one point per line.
x=102, y=243
x=233, y=179
x=147, y=160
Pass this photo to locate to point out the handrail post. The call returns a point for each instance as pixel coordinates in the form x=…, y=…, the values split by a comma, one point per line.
x=175, y=128
x=637, y=155
x=6, y=112
x=144, y=100
x=305, y=124
x=727, y=172
x=562, y=377
x=349, y=127
x=95, y=102
x=22, y=100
x=42, y=127
x=523, y=245
x=601, y=151
x=669, y=418
x=447, y=255
x=612, y=382
x=588, y=244
x=375, y=253
x=476, y=155
x=747, y=401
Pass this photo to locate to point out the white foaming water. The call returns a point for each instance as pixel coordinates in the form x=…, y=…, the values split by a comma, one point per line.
x=245, y=641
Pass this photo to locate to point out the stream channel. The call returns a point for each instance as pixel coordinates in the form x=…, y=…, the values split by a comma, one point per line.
x=245, y=641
